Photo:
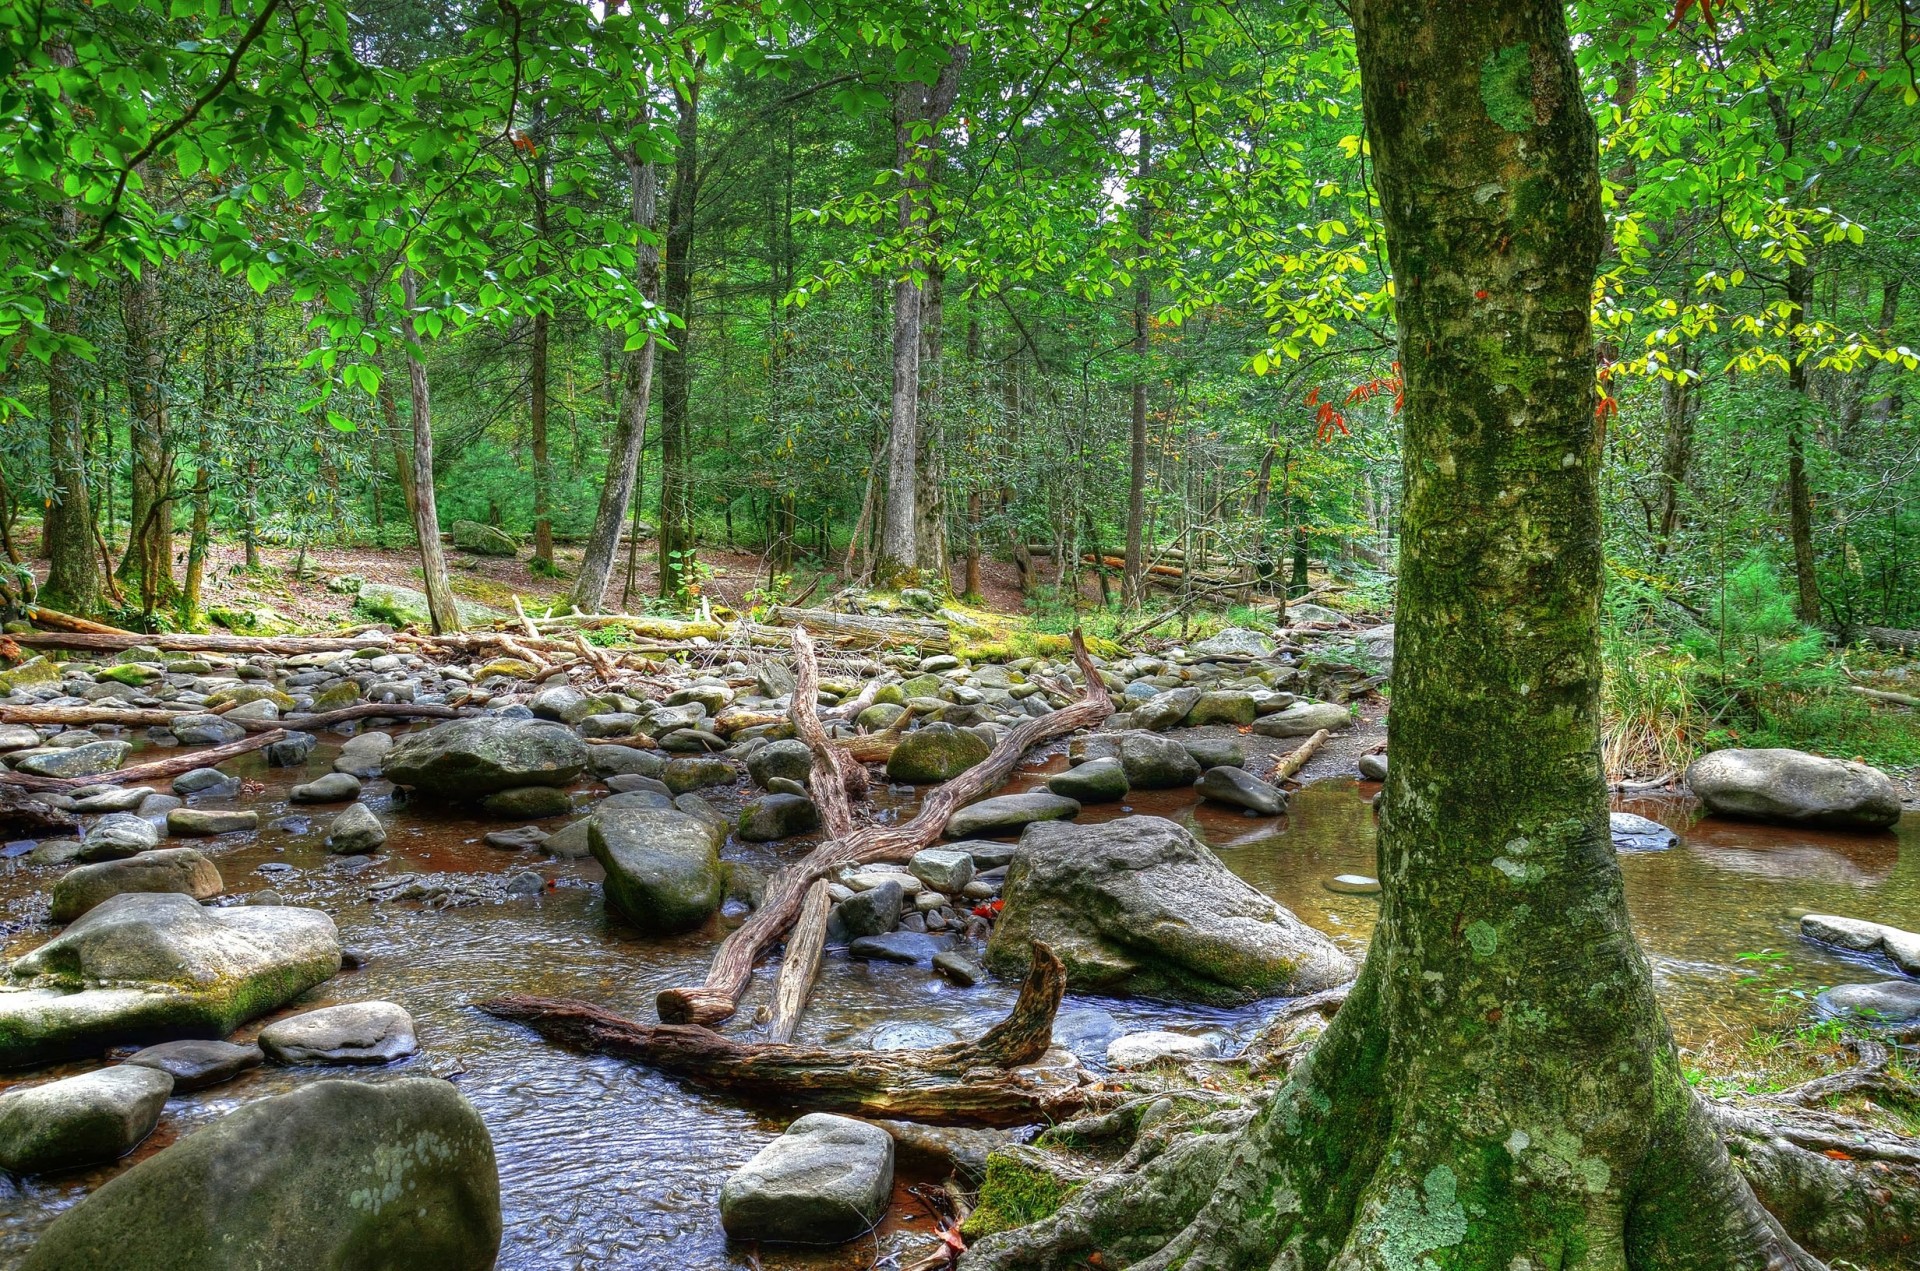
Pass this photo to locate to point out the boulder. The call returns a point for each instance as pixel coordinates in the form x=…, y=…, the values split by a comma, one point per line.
x=1303, y=719
x=1221, y=706
x=615, y=761
x=334, y=787
x=292, y=751
x=88, y=760
x=908, y=948
x=484, y=540
x=663, y=865
x=1095, y=781
x=685, y=775
x=336, y=1174
x=1373, y=767
x=207, y=822
x=777, y=816
x=117, y=836
x=1216, y=752
x=869, y=913
x=934, y=753
x=825, y=1181
x=1239, y=788
x=1236, y=642
x=355, y=831
x=363, y=756
x=1889, y=1005
x=1009, y=812
x=1794, y=787
x=405, y=606
x=1165, y=710
x=352, y=1033
x=942, y=869
x=85, y=1120
x=175, y=869
x=1140, y=906
x=469, y=759
x=1902, y=948
x=1140, y=1050
x=1156, y=763
x=1635, y=833
x=788, y=758
x=204, y=781
x=205, y=730
x=198, y=1064
x=145, y=967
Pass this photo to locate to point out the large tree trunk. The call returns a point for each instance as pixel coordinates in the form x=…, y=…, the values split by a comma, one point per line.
x=148, y=563
x=1500, y=1090
x=73, y=576
x=426, y=517
x=676, y=373
x=930, y=505
x=630, y=427
x=1133, y=586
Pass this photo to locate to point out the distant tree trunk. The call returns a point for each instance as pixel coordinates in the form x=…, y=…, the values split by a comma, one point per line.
x=930, y=505
x=630, y=423
x=148, y=563
x=201, y=534
x=1799, y=488
x=676, y=373
x=426, y=516
x=1133, y=584
x=1677, y=402
x=537, y=170
x=73, y=578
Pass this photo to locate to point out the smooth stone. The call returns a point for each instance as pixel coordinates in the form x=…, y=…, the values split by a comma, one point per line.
x=1373, y=767
x=206, y=822
x=872, y=912
x=206, y=730
x=119, y=835
x=1139, y=1050
x=334, y=787
x=292, y=751
x=1794, y=787
x=1239, y=788
x=614, y=761
x=686, y=775
x=196, y=1064
x=1303, y=719
x=958, y=968
x=906, y=947
x=516, y=840
x=527, y=803
x=1153, y=762
x=1221, y=706
x=570, y=841
x=1888, y=1004
x=1902, y=948
x=110, y=799
x=158, y=805
x=784, y=785
x=1009, y=812
x=174, y=869
x=1095, y=781
x=89, y=760
x=204, y=780
x=935, y=752
x=825, y=1181
x=943, y=869
x=352, y=1033
x=1164, y=710
x=1352, y=885
x=663, y=865
x=364, y=755
x=1639, y=834
x=354, y=831
x=629, y=782
x=786, y=758
x=777, y=816
x=1236, y=642
x=84, y=1120
x=469, y=759
x=1215, y=752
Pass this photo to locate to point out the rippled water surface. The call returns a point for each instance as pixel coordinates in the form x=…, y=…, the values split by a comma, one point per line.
x=606, y=1164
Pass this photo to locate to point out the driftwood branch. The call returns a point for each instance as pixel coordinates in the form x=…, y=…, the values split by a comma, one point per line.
x=801, y=965
x=1296, y=759
x=982, y=1082
x=169, y=767
x=732, y=967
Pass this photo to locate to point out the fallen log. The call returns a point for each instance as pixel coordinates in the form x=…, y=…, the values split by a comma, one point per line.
x=801, y=965
x=1296, y=759
x=161, y=717
x=863, y=631
x=1892, y=639
x=670, y=629
x=67, y=622
x=107, y=640
x=172, y=766
x=983, y=1082
x=1882, y=695
x=732, y=967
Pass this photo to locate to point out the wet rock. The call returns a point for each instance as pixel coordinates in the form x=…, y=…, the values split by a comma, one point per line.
x=934, y=753
x=149, y=967
x=117, y=836
x=85, y=1120
x=959, y=968
x=17, y=736
x=334, y=787
x=516, y=840
x=258, y=711
x=94, y=799
x=158, y=805
x=1239, y=788
x=1140, y=906
x=1902, y=948
x=337, y=697
x=869, y=913
x=788, y=758
x=292, y=751
x=1892, y=1005
x=205, y=730
x=943, y=869
x=527, y=802
x=1639, y=834
x=265, y=896
x=909, y=948
x=825, y=1181
x=56, y=852
x=663, y=867
x=1221, y=706
x=1139, y=1050
x=363, y=755
x=88, y=760
x=1095, y=781
x=1008, y=812
x=197, y=1064
x=1215, y=752
x=684, y=775
x=609, y=761
x=1373, y=767
x=1794, y=787
x=335, y=1174
x=777, y=816
x=468, y=759
x=692, y=741
x=352, y=1033
x=1156, y=763
x=354, y=831
x=1236, y=642
x=208, y=781
x=1303, y=719
x=1165, y=710
x=207, y=822
x=612, y=724
x=174, y=869
x=633, y=783
x=570, y=842
x=1352, y=885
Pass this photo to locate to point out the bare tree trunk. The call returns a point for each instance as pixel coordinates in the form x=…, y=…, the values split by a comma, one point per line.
x=1799, y=488
x=676, y=373
x=148, y=563
x=73, y=578
x=426, y=517
x=1133, y=584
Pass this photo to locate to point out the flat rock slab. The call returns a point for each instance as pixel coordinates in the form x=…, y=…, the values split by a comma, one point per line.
x=334, y=787
x=1794, y=787
x=469, y=759
x=85, y=1120
x=1236, y=787
x=1095, y=781
x=1633, y=833
x=1902, y=948
x=909, y=948
x=1303, y=719
x=1009, y=812
x=825, y=1181
x=207, y=822
x=196, y=1064
x=352, y=1033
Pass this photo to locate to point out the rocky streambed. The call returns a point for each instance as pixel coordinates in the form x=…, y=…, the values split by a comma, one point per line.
x=467, y=896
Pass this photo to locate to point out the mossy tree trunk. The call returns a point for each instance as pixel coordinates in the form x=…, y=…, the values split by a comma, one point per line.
x=73, y=574
x=1500, y=1090
x=676, y=371
x=148, y=563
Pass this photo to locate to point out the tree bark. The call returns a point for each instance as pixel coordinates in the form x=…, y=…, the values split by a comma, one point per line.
x=1133, y=582
x=676, y=373
x=426, y=517
x=1500, y=1090
x=636, y=388
x=148, y=563
x=537, y=168
x=73, y=575
x=1799, y=488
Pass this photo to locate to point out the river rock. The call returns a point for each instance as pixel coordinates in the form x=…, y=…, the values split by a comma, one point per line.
x=363, y=756
x=205, y=730
x=825, y=1181
x=1009, y=812
x=197, y=1064
x=336, y=1174
x=205, y=781
x=468, y=759
x=663, y=866
x=1165, y=710
x=1140, y=906
x=352, y=1033
x=1216, y=752
x=685, y=775
x=292, y=751
x=174, y=869
x=355, y=831
x=1221, y=706
x=1156, y=763
x=618, y=761
x=1239, y=788
x=934, y=753
x=958, y=968
x=1901, y=947
x=117, y=836
x=869, y=913
x=1139, y=1050
x=1795, y=787
x=1633, y=833
x=88, y=760
x=1236, y=642
x=1095, y=781
x=207, y=822
x=1373, y=767
x=1303, y=719
x=94, y=799
x=334, y=787
x=85, y=1120
x=144, y=967
x=527, y=803
x=942, y=869
x=1893, y=1005
x=909, y=948
x=777, y=816
x=787, y=758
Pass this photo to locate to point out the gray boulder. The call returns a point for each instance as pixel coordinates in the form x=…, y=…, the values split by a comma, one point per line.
x=207, y=822
x=1239, y=788
x=405, y=606
x=1009, y=812
x=363, y=756
x=1373, y=767
x=1633, y=833
x=85, y=1120
x=1794, y=787
x=788, y=758
x=942, y=869
x=1140, y=906
x=934, y=753
x=352, y=1033
x=777, y=816
x=175, y=869
x=88, y=760
x=1222, y=706
x=871, y=912
x=525, y=803
x=206, y=730
x=355, y=831
x=196, y=1064
x=484, y=540
x=1156, y=763
x=145, y=967
x=333, y=787
x=119, y=835
x=825, y=1181
x=1165, y=710
x=1095, y=781
x=1902, y=948
x=614, y=761
x=663, y=865
x=1236, y=642
x=336, y=1174
x=205, y=781
x=292, y=751
x=1303, y=719
x=685, y=775
x=1892, y=1006
x=468, y=759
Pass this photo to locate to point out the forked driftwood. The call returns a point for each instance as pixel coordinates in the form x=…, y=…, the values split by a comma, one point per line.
x=982, y=1082
x=732, y=967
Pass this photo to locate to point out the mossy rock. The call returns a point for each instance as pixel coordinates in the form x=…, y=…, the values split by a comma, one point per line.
x=404, y=606
x=258, y=620
x=484, y=540
x=241, y=694
x=514, y=668
x=130, y=674
x=341, y=695
x=936, y=752
x=1020, y=1190
x=35, y=670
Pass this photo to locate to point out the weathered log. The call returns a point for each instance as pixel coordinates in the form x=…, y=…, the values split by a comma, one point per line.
x=108, y=640
x=1892, y=639
x=1892, y=699
x=732, y=967
x=800, y=966
x=983, y=1082
x=670, y=629
x=161, y=717
x=863, y=631
x=1296, y=759
x=836, y=780
x=67, y=622
x=172, y=766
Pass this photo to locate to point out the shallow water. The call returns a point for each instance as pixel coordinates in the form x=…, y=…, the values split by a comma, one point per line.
x=606, y=1164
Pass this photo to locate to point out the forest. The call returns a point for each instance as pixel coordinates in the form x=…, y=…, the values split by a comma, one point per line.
x=734, y=634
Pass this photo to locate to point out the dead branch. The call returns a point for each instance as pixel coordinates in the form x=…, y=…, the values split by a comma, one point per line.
x=169, y=767
x=1296, y=759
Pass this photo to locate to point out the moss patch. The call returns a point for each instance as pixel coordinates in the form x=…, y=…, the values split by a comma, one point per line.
x=1015, y=1194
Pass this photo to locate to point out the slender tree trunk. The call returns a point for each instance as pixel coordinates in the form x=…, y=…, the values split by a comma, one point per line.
x=930, y=507
x=1499, y=1090
x=73, y=576
x=630, y=425
x=1799, y=488
x=148, y=563
x=537, y=355
x=1133, y=584
x=426, y=516
x=676, y=373
x=1676, y=453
